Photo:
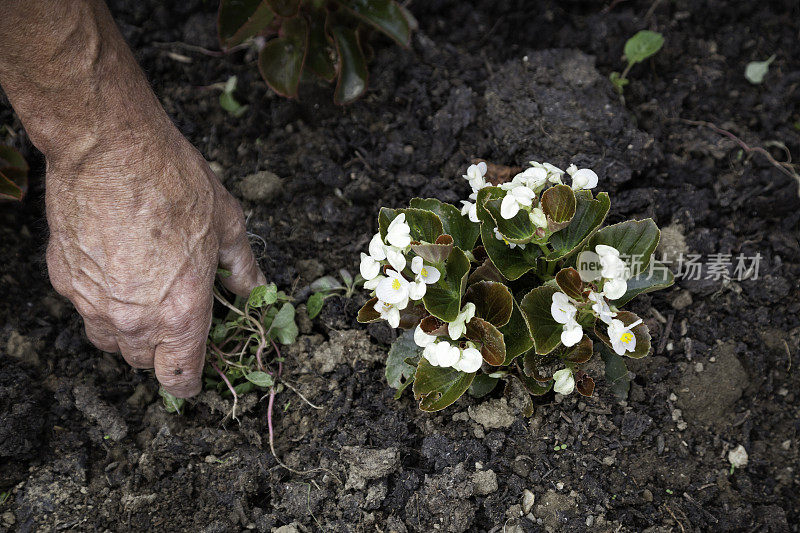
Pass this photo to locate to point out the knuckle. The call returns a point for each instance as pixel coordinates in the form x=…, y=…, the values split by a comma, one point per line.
x=128, y=322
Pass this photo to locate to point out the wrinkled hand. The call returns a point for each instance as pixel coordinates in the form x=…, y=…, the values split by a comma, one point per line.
x=136, y=234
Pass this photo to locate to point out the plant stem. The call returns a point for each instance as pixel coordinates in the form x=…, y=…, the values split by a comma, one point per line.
x=230, y=387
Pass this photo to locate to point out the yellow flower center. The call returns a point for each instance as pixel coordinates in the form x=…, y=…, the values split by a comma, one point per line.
x=424, y=272
x=626, y=337
x=506, y=241
x=396, y=284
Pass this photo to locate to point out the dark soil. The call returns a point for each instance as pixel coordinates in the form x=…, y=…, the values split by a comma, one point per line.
x=86, y=445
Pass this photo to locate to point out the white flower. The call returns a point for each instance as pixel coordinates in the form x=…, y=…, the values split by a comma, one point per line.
x=514, y=199
x=470, y=210
x=564, y=382
x=457, y=327
x=553, y=172
x=398, y=232
x=377, y=249
x=475, y=175
x=373, y=283
x=447, y=354
x=538, y=218
x=582, y=179
x=621, y=337
x=615, y=288
x=499, y=237
x=423, y=339
x=601, y=308
x=562, y=309
x=429, y=353
x=470, y=361
x=533, y=177
x=388, y=312
x=395, y=258
x=369, y=268
x=426, y=275
x=612, y=266
x=571, y=334
x=393, y=289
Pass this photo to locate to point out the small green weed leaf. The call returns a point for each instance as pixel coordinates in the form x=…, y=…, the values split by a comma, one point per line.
x=655, y=278
x=756, y=70
x=326, y=284
x=398, y=372
x=284, y=318
x=287, y=335
x=616, y=372
x=260, y=379
x=516, y=335
x=314, y=304
x=482, y=385
x=218, y=333
x=493, y=348
x=493, y=302
x=443, y=298
x=241, y=388
x=589, y=216
x=464, y=232
x=558, y=204
x=385, y=15
x=618, y=82
x=238, y=20
x=228, y=102
x=171, y=403
x=436, y=387
x=535, y=307
x=643, y=45
x=570, y=283
x=262, y=296
x=636, y=241
x=281, y=60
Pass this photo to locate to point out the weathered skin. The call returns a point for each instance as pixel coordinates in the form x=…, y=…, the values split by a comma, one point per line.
x=138, y=221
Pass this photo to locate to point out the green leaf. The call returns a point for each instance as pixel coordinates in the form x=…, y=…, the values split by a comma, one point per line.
x=325, y=284
x=464, y=232
x=655, y=278
x=641, y=332
x=558, y=204
x=482, y=385
x=288, y=334
x=437, y=252
x=398, y=372
x=368, y=313
x=589, y=216
x=284, y=8
x=352, y=65
x=570, y=283
x=493, y=302
x=238, y=20
x=229, y=104
x=262, y=296
x=243, y=388
x=580, y=353
x=756, y=70
x=221, y=272
x=437, y=387
x=13, y=174
x=493, y=348
x=618, y=81
x=384, y=15
x=314, y=304
x=320, y=58
x=260, y=379
x=636, y=241
x=516, y=335
x=424, y=226
x=643, y=45
x=443, y=298
x=518, y=229
x=535, y=307
x=281, y=60
x=537, y=388
x=616, y=372
x=284, y=318
x=171, y=403
x=218, y=333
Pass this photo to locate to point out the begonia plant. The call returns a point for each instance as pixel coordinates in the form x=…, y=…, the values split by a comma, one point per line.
x=519, y=283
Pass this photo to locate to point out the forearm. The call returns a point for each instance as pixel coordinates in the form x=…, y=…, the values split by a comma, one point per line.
x=71, y=77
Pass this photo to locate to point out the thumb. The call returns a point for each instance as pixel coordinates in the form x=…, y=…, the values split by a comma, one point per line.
x=235, y=254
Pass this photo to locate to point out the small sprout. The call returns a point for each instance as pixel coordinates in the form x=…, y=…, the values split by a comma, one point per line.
x=228, y=102
x=4, y=496
x=106, y=437
x=638, y=48
x=756, y=70
x=327, y=286
x=669, y=491
x=444, y=274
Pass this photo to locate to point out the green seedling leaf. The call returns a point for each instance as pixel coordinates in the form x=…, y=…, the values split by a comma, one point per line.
x=589, y=216
x=636, y=241
x=320, y=58
x=641, y=333
x=570, y=283
x=13, y=174
x=493, y=348
x=436, y=387
x=558, y=204
x=756, y=70
x=314, y=304
x=459, y=227
x=238, y=20
x=535, y=307
x=519, y=229
x=284, y=8
x=482, y=385
x=262, y=296
x=281, y=60
x=287, y=335
x=228, y=102
x=618, y=82
x=260, y=379
x=171, y=403
x=616, y=372
x=352, y=65
x=657, y=277
x=398, y=371
x=346, y=276
x=516, y=335
x=241, y=388
x=284, y=318
x=643, y=45
x=443, y=298
x=219, y=332
x=493, y=302
x=326, y=284
x=384, y=15
x=437, y=252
